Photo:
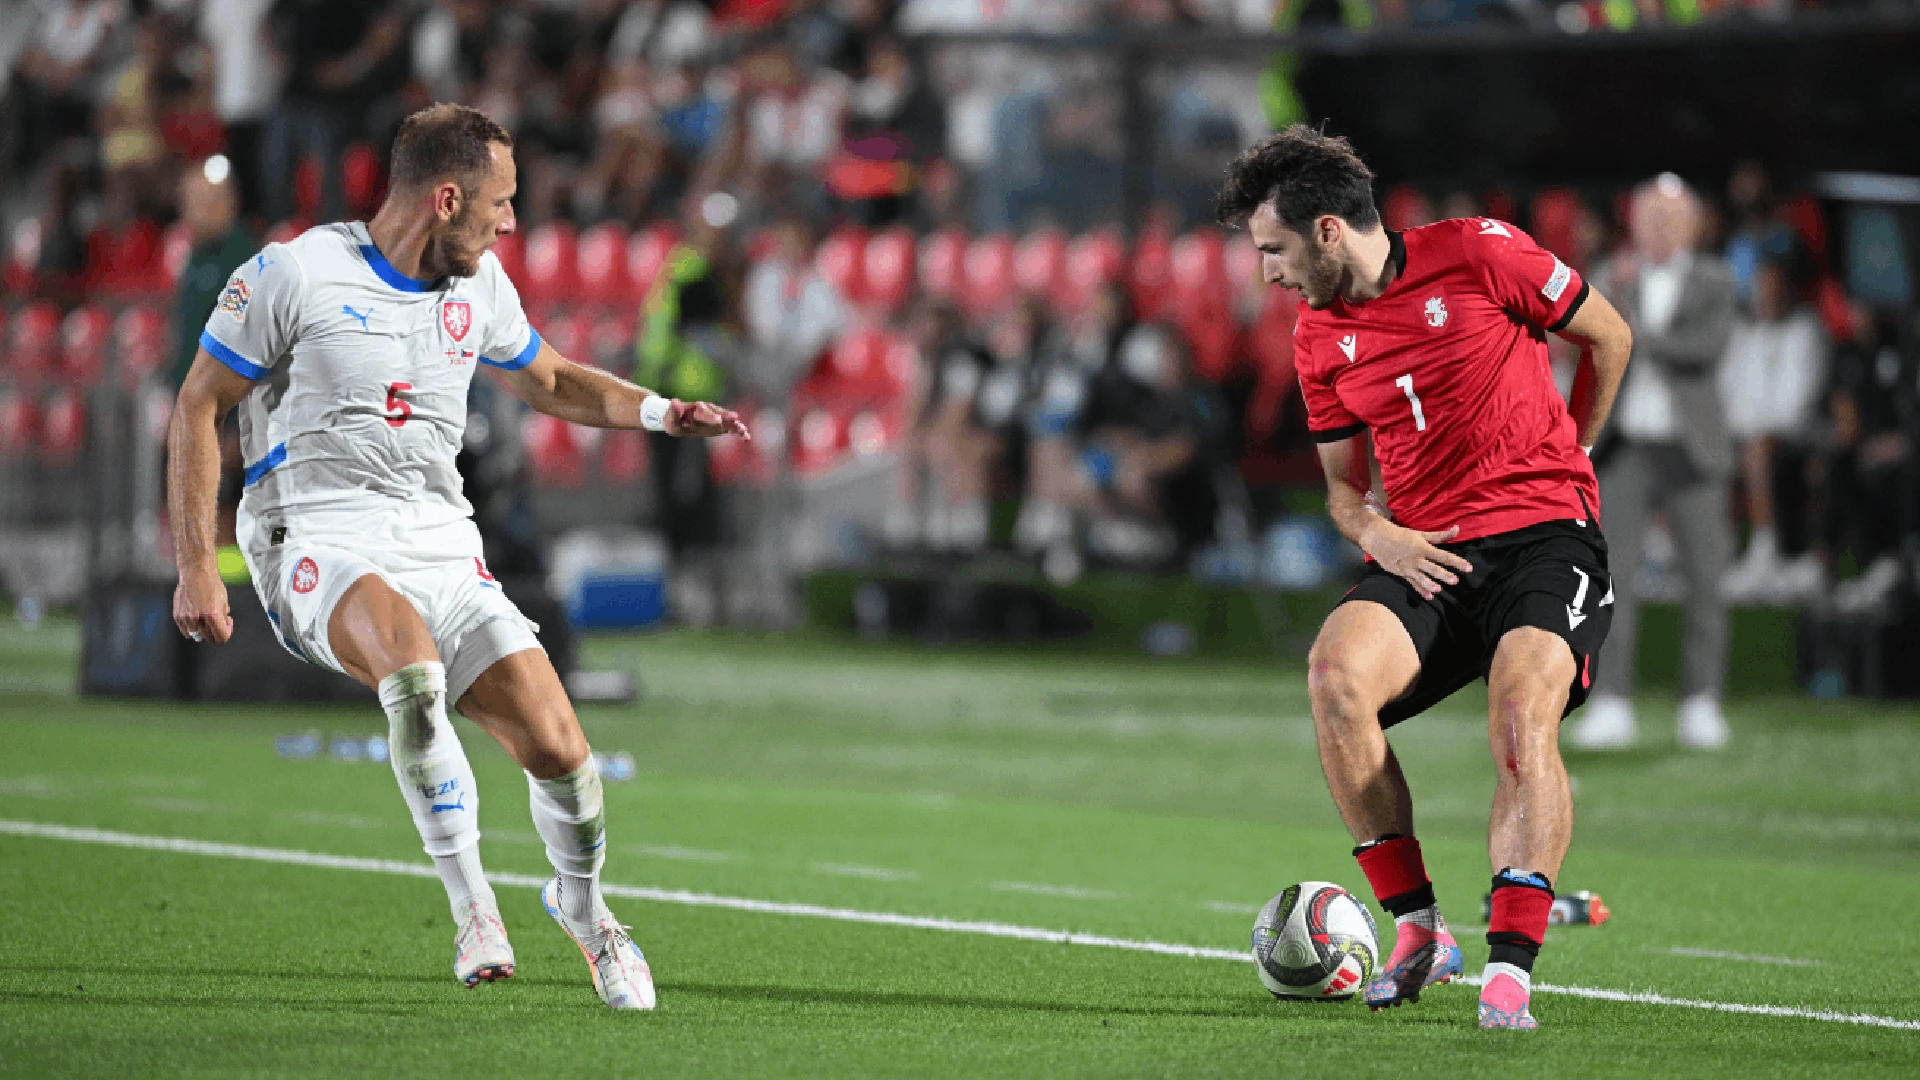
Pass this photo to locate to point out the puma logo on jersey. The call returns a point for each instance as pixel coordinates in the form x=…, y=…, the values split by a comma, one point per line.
x=1490, y=227
x=1348, y=344
x=362, y=316
x=1436, y=312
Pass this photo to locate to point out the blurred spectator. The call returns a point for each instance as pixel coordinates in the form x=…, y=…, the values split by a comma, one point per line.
x=686, y=344
x=337, y=55
x=1756, y=231
x=1082, y=352
x=1667, y=450
x=246, y=82
x=933, y=327
x=1770, y=382
x=978, y=425
x=894, y=124
x=60, y=69
x=210, y=205
x=1870, y=484
x=791, y=312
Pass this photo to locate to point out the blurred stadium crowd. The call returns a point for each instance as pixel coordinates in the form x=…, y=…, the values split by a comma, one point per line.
x=924, y=262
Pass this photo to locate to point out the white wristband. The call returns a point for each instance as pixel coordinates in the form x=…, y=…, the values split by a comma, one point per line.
x=653, y=412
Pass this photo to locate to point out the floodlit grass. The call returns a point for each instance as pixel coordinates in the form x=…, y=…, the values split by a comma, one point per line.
x=1122, y=797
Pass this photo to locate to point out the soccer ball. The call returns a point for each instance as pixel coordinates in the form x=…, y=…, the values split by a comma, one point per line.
x=1314, y=942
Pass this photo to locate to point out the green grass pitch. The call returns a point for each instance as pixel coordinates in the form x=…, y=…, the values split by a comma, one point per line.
x=1140, y=800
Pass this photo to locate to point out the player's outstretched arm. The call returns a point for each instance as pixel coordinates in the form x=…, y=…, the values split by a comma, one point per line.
x=1605, y=343
x=554, y=385
x=1412, y=556
x=193, y=483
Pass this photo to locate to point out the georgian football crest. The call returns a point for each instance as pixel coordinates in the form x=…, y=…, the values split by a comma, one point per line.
x=1436, y=312
x=457, y=317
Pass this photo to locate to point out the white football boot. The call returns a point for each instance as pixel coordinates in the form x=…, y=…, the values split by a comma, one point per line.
x=619, y=968
x=481, y=952
x=1702, y=726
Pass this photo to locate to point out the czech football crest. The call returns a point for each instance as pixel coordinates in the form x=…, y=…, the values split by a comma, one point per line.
x=456, y=316
x=305, y=576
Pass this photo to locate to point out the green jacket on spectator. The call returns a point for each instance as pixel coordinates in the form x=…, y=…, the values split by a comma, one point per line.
x=201, y=280
x=673, y=356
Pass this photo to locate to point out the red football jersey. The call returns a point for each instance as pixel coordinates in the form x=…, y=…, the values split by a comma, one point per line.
x=1449, y=369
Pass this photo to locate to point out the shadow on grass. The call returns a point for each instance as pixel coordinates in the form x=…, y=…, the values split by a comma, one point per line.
x=1218, y=1008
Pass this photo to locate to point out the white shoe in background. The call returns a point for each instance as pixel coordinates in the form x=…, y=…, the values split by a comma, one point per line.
x=1800, y=580
x=1860, y=595
x=1753, y=576
x=1702, y=726
x=1606, y=723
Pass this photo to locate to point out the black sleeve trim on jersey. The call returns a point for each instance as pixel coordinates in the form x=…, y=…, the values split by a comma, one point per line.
x=1338, y=434
x=1579, y=298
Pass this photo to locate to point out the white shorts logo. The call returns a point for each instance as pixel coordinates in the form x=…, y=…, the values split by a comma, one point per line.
x=1557, y=284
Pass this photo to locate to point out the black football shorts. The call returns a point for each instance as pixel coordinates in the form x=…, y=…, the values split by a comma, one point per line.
x=1552, y=575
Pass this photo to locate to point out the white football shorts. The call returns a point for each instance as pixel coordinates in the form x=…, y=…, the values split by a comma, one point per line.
x=439, y=570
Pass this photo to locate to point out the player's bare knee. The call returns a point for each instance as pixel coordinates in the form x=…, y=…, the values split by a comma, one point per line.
x=1338, y=684
x=555, y=747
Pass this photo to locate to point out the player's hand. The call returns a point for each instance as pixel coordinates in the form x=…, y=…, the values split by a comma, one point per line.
x=200, y=606
x=702, y=419
x=1414, y=557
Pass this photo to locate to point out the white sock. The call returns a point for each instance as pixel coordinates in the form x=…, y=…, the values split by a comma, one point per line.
x=570, y=815
x=436, y=779
x=1426, y=918
x=967, y=527
x=1763, y=545
x=1524, y=978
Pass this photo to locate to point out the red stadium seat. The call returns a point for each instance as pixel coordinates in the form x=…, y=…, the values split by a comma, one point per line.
x=35, y=341
x=1040, y=266
x=551, y=277
x=571, y=335
x=986, y=274
x=1270, y=346
x=84, y=337
x=1093, y=260
x=141, y=342
x=176, y=247
x=362, y=180
x=857, y=356
x=734, y=461
x=19, y=422
x=555, y=452
x=23, y=258
x=306, y=188
x=1202, y=302
x=1243, y=276
x=1556, y=214
x=1406, y=207
x=601, y=263
x=63, y=428
x=126, y=261
x=511, y=250
x=1150, y=276
x=290, y=229
x=888, y=269
x=821, y=440
x=647, y=253
x=840, y=260
x=611, y=338
x=623, y=456
x=940, y=258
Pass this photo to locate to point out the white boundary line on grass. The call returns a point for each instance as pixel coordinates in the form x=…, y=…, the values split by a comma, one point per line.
x=181, y=845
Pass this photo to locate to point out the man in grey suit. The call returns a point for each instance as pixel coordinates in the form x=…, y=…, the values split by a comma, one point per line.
x=1667, y=450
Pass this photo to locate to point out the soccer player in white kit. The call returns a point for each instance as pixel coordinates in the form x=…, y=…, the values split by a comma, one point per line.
x=348, y=352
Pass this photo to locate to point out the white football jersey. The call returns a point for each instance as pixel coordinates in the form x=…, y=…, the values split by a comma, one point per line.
x=361, y=374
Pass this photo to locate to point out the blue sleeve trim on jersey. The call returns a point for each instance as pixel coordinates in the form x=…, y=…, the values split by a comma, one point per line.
x=388, y=274
x=523, y=358
x=275, y=458
x=219, y=351
x=1338, y=434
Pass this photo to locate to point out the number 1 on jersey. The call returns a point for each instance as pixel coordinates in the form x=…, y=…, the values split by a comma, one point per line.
x=398, y=410
x=1405, y=382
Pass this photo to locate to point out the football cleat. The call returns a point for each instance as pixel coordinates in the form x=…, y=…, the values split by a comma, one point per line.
x=620, y=973
x=1503, y=1005
x=1421, y=958
x=481, y=952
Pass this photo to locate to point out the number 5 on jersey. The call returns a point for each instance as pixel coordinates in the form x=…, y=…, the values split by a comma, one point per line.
x=1405, y=382
x=398, y=410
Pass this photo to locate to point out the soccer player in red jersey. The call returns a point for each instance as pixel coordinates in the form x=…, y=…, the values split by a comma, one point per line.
x=1486, y=560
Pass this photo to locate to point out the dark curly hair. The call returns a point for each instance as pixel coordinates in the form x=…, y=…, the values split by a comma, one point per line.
x=1306, y=173
x=445, y=142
